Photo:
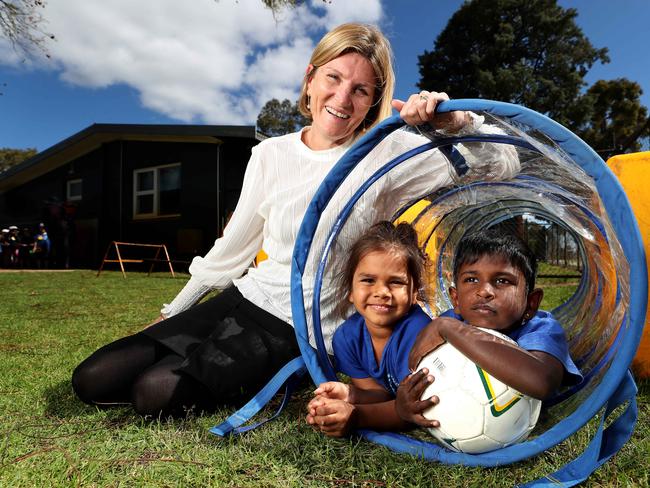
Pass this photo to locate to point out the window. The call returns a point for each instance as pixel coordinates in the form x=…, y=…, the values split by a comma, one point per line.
x=157, y=191
x=73, y=190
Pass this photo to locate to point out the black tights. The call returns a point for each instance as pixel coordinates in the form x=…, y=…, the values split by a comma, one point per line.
x=139, y=371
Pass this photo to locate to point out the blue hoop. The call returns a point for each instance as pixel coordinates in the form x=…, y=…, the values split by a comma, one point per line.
x=623, y=223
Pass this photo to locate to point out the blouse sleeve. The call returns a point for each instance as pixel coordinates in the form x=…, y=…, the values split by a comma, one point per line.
x=429, y=171
x=233, y=252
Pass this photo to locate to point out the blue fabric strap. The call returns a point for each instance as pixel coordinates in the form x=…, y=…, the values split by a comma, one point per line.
x=455, y=158
x=288, y=376
x=604, y=445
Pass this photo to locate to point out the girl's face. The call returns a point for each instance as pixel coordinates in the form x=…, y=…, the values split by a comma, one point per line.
x=491, y=293
x=382, y=290
x=341, y=93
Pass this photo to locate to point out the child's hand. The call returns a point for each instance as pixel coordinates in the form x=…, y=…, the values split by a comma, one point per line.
x=428, y=339
x=334, y=390
x=408, y=404
x=334, y=418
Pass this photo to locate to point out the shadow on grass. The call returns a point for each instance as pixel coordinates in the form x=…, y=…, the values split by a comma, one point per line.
x=61, y=402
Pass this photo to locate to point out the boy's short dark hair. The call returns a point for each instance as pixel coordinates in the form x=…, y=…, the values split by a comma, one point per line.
x=496, y=243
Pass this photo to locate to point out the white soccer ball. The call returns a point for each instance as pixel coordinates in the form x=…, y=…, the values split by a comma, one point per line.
x=477, y=412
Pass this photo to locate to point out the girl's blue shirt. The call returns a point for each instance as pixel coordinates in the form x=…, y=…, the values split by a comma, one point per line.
x=355, y=355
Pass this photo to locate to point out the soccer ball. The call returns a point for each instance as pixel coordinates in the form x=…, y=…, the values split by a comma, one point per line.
x=477, y=412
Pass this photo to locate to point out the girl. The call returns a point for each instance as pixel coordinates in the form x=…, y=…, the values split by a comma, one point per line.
x=383, y=278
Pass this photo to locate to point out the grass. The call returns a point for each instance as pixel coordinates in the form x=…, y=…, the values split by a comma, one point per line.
x=49, y=322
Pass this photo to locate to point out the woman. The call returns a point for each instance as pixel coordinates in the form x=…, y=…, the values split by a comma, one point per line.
x=223, y=349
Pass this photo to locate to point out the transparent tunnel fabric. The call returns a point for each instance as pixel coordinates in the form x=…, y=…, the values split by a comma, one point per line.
x=562, y=184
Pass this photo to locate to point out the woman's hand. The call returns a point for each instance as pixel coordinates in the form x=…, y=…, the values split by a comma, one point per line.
x=408, y=404
x=420, y=108
x=334, y=418
x=160, y=318
x=334, y=390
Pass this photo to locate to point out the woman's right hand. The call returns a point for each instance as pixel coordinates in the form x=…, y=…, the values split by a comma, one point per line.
x=160, y=318
x=420, y=108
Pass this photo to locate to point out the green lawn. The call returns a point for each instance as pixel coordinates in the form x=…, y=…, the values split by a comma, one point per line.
x=50, y=321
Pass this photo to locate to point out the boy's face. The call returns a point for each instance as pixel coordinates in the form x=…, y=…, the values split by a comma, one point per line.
x=491, y=293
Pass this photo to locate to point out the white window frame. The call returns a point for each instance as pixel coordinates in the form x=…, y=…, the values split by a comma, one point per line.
x=155, y=192
x=68, y=196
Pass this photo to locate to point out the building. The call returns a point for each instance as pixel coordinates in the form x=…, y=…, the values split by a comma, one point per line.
x=162, y=184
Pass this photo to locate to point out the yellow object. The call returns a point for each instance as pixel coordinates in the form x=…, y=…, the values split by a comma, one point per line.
x=633, y=172
x=261, y=256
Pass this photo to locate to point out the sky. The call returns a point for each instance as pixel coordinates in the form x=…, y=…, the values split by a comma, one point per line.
x=220, y=61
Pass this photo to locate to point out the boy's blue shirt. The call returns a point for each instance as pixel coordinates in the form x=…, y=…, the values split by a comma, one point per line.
x=355, y=356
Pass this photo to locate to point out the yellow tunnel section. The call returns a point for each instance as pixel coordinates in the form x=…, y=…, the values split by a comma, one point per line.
x=633, y=172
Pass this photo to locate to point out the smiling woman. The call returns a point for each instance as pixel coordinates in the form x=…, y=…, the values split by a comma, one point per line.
x=340, y=94
x=217, y=351
x=348, y=85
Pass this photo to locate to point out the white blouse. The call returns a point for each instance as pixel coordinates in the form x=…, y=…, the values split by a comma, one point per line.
x=281, y=179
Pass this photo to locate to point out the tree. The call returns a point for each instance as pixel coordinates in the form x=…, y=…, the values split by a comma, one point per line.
x=529, y=52
x=277, y=118
x=616, y=122
x=11, y=157
x=277, y=5
x=22, y=24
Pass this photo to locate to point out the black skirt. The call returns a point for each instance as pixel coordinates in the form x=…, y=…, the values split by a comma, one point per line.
x=229, y=344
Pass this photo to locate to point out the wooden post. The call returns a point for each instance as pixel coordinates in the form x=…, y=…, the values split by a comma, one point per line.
x=122, y=260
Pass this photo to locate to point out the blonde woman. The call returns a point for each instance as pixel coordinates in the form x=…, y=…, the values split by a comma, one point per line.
x=223, y=349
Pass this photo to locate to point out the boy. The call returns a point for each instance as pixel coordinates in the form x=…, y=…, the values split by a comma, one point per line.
x=494, y=276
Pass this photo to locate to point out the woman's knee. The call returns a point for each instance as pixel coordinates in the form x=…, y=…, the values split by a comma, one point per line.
x=152, y=392
x=164, y=391
x=107, y=374
x=86, y=382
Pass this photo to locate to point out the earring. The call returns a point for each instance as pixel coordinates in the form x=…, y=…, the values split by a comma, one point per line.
x=308, y=102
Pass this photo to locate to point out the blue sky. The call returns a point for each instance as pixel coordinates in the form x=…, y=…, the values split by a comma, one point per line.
x=157, y=61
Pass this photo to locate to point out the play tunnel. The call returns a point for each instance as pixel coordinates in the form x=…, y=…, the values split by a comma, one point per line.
x=563, y=199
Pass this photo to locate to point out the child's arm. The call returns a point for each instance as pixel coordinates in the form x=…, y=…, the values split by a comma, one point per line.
x=338, y=408
x=362, y=390
x=534, y=373
x=337, y=418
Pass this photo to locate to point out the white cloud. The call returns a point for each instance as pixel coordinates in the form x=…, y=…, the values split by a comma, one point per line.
x=214, y=61
x=340, y=11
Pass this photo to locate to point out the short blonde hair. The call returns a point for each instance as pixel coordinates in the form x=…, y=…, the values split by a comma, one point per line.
x=369, y=42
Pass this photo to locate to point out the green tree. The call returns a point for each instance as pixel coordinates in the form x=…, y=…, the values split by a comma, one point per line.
x=23, y=25
x=616, y=122
x=11, y=157
x=529, y=52
x=277, y=118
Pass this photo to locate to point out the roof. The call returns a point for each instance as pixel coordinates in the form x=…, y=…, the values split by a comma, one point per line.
x=95, y=135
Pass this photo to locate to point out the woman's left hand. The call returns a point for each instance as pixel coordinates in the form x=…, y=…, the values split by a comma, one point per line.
x=420, y=108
